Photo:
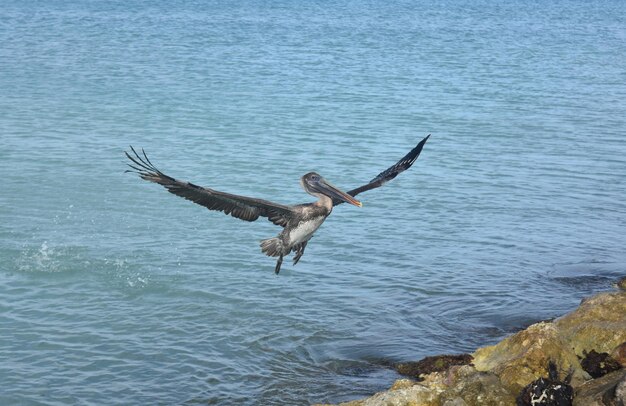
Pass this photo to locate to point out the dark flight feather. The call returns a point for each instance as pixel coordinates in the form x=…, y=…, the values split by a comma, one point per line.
x=389, y=173
x=241, y=207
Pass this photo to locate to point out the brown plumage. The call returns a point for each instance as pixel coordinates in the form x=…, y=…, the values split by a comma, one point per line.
x=299, y=222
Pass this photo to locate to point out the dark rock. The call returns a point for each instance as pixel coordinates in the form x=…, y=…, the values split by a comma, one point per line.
x=547, y=391
x=428, y=365
x=622, y=283
x=599, y=364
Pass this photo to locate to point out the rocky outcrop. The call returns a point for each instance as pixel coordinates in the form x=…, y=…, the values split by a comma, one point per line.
x=498, y=373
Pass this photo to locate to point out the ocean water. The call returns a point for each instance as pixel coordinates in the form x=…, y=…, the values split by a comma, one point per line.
x=113, y=291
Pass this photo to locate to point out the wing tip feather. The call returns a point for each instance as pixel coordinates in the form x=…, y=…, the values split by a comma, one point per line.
x=390, y=173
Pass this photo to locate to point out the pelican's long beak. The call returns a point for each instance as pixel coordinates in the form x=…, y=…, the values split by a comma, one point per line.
x=331, y=191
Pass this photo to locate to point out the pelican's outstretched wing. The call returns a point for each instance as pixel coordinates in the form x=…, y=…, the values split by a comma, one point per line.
x=390, y=173
x=241, y=207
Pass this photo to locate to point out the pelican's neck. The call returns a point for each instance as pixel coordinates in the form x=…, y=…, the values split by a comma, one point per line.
x=323, y=201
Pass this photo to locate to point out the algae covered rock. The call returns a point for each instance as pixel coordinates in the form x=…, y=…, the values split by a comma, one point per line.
x=415, y=395
x=598, y=364
x=599, y=323
x=458, y=386
x=467, y=386
x=429, y=365
x=402, y=384
x=524, y=357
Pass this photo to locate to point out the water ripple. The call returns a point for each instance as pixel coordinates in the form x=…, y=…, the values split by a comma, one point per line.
x=112, y=289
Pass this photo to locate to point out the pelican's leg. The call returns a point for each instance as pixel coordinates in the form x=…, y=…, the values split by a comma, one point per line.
x=299, y=252
x=278, y=264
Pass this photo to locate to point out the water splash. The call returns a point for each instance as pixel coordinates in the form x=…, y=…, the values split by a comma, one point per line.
x=41, y=259
x=49, y=259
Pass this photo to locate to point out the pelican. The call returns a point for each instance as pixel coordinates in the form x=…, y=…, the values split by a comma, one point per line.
x=299, y=222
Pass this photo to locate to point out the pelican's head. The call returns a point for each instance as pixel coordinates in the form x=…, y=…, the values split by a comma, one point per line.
x=317, y=186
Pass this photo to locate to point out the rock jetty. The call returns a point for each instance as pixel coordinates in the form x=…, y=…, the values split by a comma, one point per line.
x=578, y=359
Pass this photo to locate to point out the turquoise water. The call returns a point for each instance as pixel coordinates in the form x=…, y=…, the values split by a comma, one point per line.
x=113, y=291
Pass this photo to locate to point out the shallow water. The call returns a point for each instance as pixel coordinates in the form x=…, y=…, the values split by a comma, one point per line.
x=112, y=290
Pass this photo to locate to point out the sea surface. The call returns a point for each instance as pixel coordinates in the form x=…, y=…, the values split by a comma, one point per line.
x=113, y=291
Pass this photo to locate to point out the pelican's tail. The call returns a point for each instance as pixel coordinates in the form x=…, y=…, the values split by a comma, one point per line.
x=272, y=247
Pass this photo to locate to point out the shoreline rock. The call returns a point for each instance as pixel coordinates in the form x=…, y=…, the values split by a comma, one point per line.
x=594, y=332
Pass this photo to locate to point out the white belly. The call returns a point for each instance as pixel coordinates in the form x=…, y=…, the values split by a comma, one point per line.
x=304, y=230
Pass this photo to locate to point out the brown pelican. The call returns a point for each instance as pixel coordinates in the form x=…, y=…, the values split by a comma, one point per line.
x=299, y=222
